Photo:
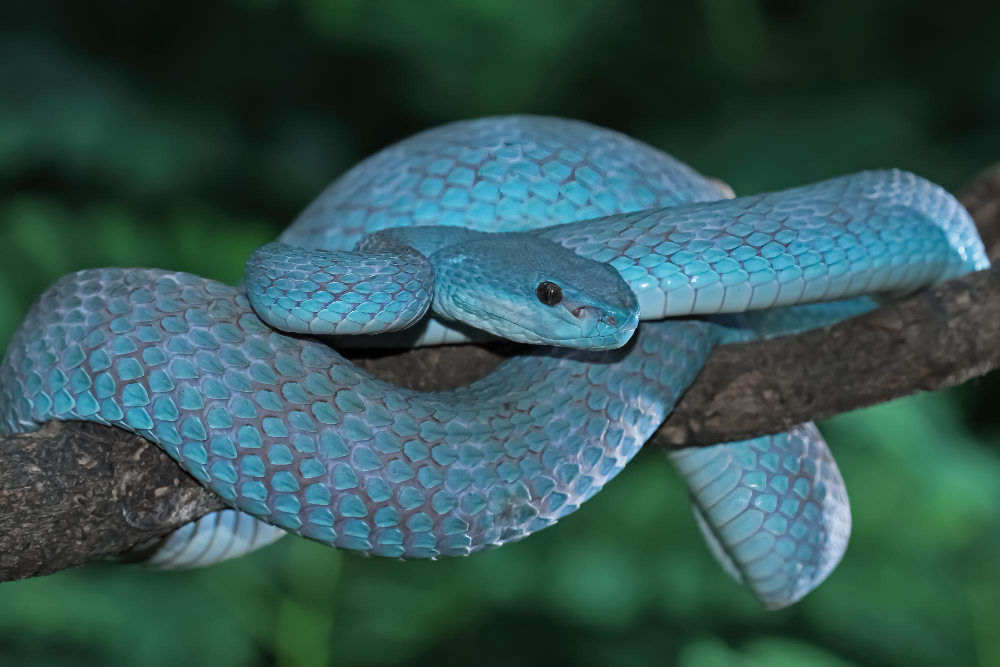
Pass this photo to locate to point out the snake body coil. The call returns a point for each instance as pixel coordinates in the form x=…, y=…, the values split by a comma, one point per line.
x=285, y=429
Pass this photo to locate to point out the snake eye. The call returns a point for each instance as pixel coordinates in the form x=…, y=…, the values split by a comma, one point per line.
x=549, y=293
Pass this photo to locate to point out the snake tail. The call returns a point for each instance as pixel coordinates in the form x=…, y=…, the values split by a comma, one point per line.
x=773, y=510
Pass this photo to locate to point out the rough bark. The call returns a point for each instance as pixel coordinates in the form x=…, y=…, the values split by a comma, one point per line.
x=981, y=197
x=74, y=492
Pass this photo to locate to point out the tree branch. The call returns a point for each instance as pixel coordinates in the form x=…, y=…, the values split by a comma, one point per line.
x=938, y=339
x=74, y=492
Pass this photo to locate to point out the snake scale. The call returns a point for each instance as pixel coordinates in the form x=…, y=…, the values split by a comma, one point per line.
x=537, y=229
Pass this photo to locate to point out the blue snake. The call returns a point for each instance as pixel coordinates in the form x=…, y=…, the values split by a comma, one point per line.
x=539, y=230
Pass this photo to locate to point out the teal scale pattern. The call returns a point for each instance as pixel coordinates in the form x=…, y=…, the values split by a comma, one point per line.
x=773, y=510
x=287, y=430
x=339, y=293
x=501, y=174
x=874, y=232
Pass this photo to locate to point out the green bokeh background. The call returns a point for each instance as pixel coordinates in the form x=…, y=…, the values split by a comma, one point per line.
x=184, y=134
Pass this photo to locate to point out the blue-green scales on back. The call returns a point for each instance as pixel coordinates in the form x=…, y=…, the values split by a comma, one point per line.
x=287, y=430
x=506, y=174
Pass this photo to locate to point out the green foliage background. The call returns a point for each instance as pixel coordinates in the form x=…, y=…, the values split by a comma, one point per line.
x=184, y=134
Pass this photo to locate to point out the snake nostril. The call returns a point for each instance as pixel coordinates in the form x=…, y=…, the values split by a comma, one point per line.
x=611, y=320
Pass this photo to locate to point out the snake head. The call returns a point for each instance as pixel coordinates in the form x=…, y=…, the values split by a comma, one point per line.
x=532, y=290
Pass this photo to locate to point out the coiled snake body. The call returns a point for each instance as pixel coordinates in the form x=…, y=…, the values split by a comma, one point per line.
x=286, y=430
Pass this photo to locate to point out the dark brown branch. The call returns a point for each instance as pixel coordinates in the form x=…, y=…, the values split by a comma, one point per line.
x=74, y=492
x=939, y=339
x=981, y=197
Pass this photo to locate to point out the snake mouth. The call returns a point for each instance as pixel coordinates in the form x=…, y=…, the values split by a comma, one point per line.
x=601, y=319
x=598, y=340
